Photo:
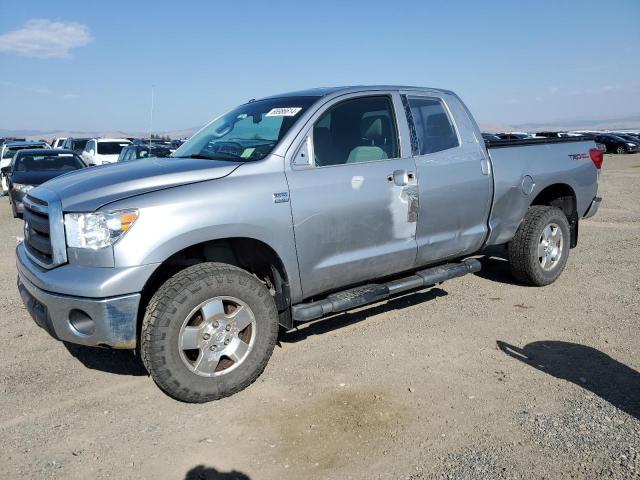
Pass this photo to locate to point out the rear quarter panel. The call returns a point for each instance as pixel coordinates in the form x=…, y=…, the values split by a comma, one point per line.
x=546, y=164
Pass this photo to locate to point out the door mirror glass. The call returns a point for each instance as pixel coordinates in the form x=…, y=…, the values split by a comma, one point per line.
x=304, y=155
x=6, y=170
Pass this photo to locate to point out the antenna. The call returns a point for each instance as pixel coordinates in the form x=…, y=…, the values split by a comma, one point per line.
x=151, y=118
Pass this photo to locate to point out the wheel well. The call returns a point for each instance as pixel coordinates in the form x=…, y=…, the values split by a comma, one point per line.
x=249, y=254
x=562, y=196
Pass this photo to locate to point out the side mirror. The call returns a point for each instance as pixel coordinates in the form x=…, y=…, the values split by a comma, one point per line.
x=92, y=152
x=6, y=170
x=304, y=155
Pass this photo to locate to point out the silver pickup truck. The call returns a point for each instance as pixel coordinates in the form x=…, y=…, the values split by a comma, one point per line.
x=285, y=210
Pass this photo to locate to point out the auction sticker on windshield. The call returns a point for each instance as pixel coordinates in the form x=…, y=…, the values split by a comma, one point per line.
x=283, y=112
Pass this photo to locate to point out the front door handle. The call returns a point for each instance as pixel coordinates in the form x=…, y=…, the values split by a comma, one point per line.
x=400, y=177
x=485, y=166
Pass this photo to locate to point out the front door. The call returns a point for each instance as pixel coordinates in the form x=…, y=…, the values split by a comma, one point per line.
x=354, y=206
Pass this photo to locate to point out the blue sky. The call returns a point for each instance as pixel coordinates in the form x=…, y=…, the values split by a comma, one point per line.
x=90, y=65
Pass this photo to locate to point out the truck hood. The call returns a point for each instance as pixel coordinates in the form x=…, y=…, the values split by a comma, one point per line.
x=88, y=189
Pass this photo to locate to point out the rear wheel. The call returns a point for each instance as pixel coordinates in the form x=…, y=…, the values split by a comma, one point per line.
x=208, y=332
x=621, y=150
x=539, y=250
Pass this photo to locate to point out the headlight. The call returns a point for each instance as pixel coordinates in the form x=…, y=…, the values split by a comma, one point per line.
x=21, y=187
x=631, y=144
x=99, y=229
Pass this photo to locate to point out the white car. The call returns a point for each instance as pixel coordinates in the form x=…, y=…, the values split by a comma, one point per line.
x=57, y=142
x=99, y=151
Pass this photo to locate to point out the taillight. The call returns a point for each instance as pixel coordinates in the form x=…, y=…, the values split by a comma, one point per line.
x=597, y=156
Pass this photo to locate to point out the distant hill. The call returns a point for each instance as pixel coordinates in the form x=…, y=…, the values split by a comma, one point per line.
x=51, y=134
x=631, y=122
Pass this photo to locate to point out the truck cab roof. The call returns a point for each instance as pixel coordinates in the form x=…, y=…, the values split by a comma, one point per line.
x=326, y=91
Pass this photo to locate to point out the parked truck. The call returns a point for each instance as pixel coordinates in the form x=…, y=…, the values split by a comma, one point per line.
x=285, y=210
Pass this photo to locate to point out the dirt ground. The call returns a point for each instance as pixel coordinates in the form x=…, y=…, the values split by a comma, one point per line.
x=478, y=378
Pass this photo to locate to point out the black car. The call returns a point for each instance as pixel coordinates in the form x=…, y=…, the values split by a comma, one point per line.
x=136, y=152
x=616, y=144
x=30, y=168
x=629, y=138
x=153, y=141
x=491, y=136
x=512, y=136
x=550, y=134
x=75, y=144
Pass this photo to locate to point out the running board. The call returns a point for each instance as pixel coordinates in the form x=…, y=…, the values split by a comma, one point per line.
x=359, y=296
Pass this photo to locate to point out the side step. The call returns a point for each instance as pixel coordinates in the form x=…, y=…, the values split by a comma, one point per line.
x=359, y=296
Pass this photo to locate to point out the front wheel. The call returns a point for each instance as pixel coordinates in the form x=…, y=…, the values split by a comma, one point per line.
x=208, y=332
x=14, y=209
x=621, y=150
x=539, y=250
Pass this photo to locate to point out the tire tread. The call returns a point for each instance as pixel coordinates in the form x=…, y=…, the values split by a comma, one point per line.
x=158, y=317
x=524, y=267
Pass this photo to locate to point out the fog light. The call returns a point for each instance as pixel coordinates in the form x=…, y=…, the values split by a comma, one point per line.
x=81, y=322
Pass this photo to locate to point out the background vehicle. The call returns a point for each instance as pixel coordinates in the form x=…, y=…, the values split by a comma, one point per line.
x=513, y=136
x=136, y=152
x=75, y=144
x=152, y=141
x=7, y=152
x=287, y=209
x=490, y=136
x=99, y=151
x=32, y=167
x=615, y=144
x=58, y=142
x=629, y=138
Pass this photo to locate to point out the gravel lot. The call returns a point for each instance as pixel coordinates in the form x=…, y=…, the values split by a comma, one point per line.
x=479, y=378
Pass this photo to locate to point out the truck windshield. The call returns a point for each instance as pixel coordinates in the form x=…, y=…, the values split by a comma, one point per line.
x=250, y=132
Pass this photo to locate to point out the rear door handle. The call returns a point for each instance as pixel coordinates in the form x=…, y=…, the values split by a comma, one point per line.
x=400, y=177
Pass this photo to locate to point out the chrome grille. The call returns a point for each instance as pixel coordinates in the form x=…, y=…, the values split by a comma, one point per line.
x=44, y=232
x=37, y=237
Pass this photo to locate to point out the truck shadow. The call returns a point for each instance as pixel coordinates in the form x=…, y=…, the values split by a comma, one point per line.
x=344, y=319
x=201, y=472
x=584, y=366
x=119, y=362
x=495, y=266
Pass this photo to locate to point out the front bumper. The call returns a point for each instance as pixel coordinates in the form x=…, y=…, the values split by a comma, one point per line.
x=107, y=322
x=89, y=306
x=16, y=199
x=593, y=208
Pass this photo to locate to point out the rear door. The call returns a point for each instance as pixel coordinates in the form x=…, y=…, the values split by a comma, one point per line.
x=454, y=174
x=353, y=194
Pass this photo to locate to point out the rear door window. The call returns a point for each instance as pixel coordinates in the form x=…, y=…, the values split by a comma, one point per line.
x=434, y=129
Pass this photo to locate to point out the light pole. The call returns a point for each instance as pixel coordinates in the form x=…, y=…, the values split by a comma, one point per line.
x=151, y=118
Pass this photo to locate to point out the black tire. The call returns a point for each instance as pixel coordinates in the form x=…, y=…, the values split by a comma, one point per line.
x=167, y=311
x=621, y=150
x=14, y=211
x=523, y=249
